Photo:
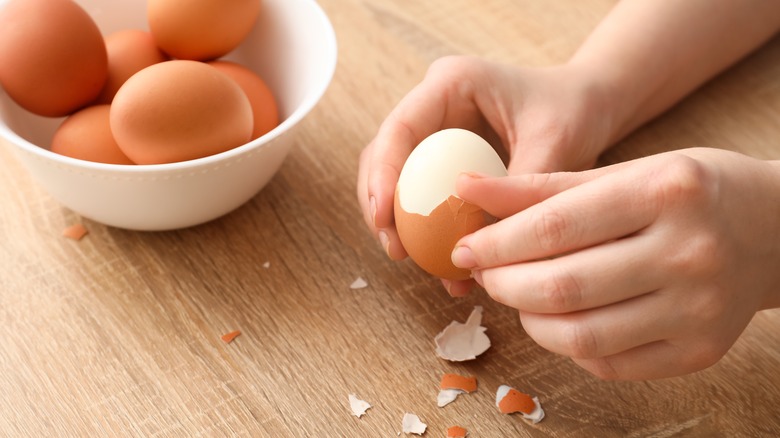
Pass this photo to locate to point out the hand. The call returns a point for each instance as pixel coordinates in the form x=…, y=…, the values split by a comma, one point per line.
x=645, y=269
x=545, y=119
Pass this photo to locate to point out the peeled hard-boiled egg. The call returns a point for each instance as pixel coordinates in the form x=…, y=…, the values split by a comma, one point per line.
x=429, y=216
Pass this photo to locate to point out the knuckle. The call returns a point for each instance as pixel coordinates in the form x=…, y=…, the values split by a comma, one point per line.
x=561, y=292
x=699, y=255
x=703, y=355
x=579, y=341
x=681, y=180
x=454, y=66
x=602, y=369
x=552, y=230
x=707, y=309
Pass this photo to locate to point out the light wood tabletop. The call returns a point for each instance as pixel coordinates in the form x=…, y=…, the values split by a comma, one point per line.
x=119, y=334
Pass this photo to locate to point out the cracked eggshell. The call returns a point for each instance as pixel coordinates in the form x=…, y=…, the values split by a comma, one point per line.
x=429, y=216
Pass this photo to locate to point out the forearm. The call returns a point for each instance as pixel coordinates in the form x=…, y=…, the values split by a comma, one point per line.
x=646, y=55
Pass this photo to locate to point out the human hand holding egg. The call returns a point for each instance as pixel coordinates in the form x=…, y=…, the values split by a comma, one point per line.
x=544, y=119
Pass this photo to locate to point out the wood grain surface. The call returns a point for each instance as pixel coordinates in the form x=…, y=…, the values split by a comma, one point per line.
x=119, y=334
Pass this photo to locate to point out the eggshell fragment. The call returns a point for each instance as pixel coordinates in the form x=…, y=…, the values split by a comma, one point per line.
x=429, y=216
x=456, y=432
x=463, y=341
x=52, y=57
x=86, y=135
x=179, y=110
x=359, y=283
x=358, y=406
x=453, y=385
x=411, y=424
x=510, y=400
x=75, y=232
x=456, y=381
x=229, y=337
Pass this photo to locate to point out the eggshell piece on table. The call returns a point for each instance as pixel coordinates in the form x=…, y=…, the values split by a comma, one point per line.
x=358, y=406
x=460, y=342
x=510, y=400
x=179, y=110
x=429, y=216
x=456, y=381
x=411, y=423
x=53, y=59
x=75, y=231
x=264, y=108
x=129, y=51
x=456, y=432
x=230, y=336
x=453, y=385
x=86, y=135
x=201, y=30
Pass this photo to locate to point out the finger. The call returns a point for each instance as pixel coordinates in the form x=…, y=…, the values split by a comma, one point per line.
x=594, y=277
x=505, y=196
x=596, y=211
x=367, y=204
x=655, y=360
x=608, y=330
x=458, y=288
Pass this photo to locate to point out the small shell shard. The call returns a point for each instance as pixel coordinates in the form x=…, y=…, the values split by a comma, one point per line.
x=510, y=400
x=228, y=337
x=359, y=283
x=456, y=432
x=463, y=341
x=75, y=232
x=358, y=406
x=411, y=424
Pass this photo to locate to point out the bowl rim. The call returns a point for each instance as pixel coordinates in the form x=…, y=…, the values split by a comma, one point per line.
x=309, y=102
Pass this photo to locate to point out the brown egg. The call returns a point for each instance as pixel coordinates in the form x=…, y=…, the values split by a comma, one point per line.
x=201, y=29
x=429, y=216
x=129, y=51
x=179, y=110
x=264, y=109
x=52, y=57
x=86, y=135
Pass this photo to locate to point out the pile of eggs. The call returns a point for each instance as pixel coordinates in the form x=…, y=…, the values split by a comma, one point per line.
x=136, y=96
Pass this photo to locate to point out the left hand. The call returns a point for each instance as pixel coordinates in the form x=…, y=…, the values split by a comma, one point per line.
x=645, y=269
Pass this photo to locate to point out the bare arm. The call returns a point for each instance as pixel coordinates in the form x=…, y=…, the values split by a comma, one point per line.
x=649, y=54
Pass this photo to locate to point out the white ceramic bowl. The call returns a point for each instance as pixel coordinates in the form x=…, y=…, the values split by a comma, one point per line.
x=292, y=47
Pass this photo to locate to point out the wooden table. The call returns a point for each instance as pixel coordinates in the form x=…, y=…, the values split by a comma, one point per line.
x=119, y=334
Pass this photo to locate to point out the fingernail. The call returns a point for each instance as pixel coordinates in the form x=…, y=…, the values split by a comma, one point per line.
x=372, y=209
x=477, y=276
x=447, y=285
x=475, y=175
x=462, y=257
x=385, y=242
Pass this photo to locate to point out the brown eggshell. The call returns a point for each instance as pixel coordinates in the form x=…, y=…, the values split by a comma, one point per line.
x=86, y=135
x=179, y=110
x=429, y=240
x=201, y=29
x=264, y=108
x=52, y=57
x=129, y=51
